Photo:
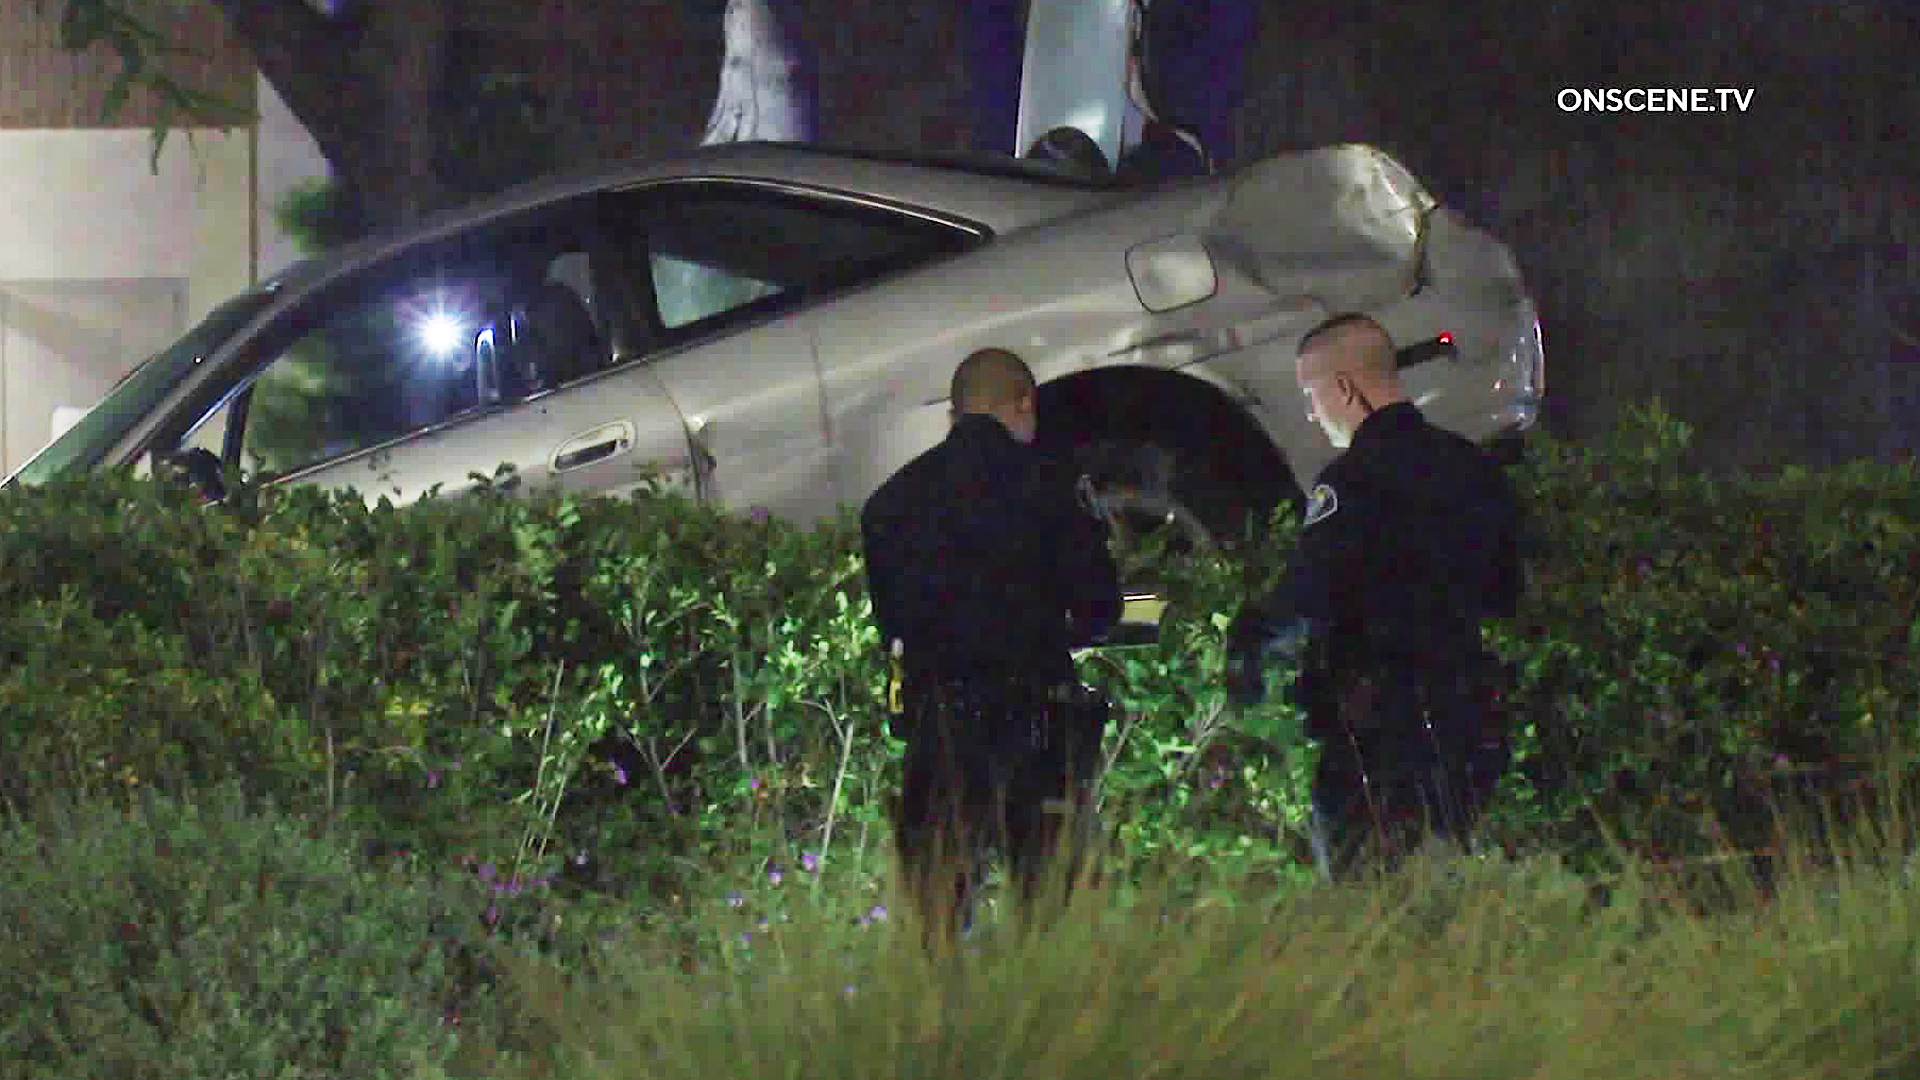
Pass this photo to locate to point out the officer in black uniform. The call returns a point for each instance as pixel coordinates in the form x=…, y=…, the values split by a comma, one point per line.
x=987, y=565
x=1411, y=538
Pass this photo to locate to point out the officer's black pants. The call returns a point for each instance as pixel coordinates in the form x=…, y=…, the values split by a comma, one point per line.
x=975, y=781
x=1381, y=795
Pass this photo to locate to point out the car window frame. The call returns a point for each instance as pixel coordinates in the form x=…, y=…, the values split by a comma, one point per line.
x=962, y=237
x=609, y=226
x=269, y=345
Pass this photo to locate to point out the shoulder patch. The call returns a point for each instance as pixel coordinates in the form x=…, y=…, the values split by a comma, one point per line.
x=1320, y=505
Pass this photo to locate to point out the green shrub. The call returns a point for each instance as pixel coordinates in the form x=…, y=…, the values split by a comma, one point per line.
x=92, y=706
x=1693, y=651
x=521, y=680
x=204, y=937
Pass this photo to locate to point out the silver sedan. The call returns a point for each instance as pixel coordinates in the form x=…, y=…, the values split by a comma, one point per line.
x=773, y=326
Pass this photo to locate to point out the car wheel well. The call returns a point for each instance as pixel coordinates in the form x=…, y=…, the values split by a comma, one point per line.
x=1223, y=465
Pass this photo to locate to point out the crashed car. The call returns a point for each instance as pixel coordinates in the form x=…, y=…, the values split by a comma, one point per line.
x=773, y=327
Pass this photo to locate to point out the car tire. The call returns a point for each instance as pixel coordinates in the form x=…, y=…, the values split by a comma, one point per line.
x=1139, y=492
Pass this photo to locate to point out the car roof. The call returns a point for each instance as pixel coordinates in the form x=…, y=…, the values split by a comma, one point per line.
x=1001, y=194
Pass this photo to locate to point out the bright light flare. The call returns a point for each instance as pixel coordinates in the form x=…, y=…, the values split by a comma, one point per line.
x=440, y=333
x=441, y=322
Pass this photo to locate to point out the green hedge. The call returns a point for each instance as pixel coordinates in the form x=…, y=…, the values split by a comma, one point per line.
x=1695, y=652
x=209, y=937
x=621, y=692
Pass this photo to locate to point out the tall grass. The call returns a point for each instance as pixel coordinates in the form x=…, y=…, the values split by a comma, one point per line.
x=1450, y=967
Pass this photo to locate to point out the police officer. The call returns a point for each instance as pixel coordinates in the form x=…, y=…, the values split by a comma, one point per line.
x=1410, y=539
x=987, y=565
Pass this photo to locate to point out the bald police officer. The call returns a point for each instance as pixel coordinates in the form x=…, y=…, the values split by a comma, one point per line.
x=1410, y=539
x=987, y=565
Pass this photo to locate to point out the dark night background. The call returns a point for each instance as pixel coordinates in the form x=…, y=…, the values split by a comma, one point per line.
x=1754, y=269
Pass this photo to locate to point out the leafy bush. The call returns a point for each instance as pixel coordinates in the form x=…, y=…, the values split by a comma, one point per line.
x=205, y=937
x=624, y=693
x=1693, y=651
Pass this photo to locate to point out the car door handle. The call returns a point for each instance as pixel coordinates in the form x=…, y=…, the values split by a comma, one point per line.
x=700, y=434
x=700, y=442
x=596, y=445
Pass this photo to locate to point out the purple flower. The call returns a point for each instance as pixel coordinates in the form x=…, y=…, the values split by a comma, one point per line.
x=486, y=872
x=877, y=913
x=1782, y=761
x=753, y=783
x=734, y=899
x=1773, y=660
x=774, y=875
x=492, y=917
x=1741, y=648
x=433, y=778
x=809, y=862
x=620, y=775
x=848, y=990
x=759, y=515
x=746, y=938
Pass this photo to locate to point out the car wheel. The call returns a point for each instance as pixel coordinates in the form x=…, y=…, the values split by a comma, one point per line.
x=1140, y=498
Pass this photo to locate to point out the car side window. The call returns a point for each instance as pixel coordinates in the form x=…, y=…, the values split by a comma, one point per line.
x=689, y=291
x=470, y=324
x=373, y=371
x=719, y=253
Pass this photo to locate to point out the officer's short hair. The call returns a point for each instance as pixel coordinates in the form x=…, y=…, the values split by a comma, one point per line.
x=988, y=377
x=1340, y=322
x=1377, y=363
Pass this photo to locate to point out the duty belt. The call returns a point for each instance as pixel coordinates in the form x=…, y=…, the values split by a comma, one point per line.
x=1035, y=713
x=995, y=701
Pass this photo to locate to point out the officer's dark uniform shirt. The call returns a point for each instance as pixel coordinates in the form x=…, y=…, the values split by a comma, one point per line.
x=985, y=562
x=1411, y=538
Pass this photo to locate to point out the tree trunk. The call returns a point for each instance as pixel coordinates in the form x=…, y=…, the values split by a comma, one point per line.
x=767, y=92
x=768, y=88
x=368, y=86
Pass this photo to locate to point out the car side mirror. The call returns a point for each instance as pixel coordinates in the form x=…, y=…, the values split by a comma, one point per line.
x=200, y=469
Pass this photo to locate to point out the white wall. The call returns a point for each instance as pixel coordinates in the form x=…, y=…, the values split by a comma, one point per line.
x=85, y=204
x=104, y=259
x=63, y=343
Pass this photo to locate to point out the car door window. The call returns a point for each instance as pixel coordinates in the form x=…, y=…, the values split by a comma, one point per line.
x=372, y=372
x=690, y=291
x=428, y=351
x=720, y=253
